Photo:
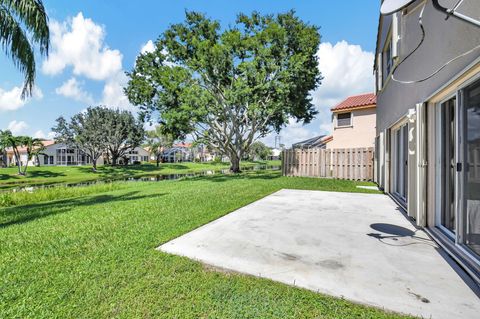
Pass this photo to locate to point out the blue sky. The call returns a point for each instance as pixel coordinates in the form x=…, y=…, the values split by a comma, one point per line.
x=94, y=42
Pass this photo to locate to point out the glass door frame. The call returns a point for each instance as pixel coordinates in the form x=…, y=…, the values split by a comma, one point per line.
x=457, y=238
x=439, y=147
x=399, y=142
x=462, y=177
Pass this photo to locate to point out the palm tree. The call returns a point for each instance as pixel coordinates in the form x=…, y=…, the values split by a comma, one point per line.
x=32, y=146
x=4, y=144
x=24, y=23
x=157, y=142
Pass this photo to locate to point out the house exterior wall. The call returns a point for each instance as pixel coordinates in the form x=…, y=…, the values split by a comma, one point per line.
x=60, y=153
x=177, y=154
x=418, y=104
x=138, y=154
x=360, y=134
x=445, y=39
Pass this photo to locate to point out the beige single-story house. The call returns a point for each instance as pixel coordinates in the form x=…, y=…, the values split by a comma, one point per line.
x=354, y=121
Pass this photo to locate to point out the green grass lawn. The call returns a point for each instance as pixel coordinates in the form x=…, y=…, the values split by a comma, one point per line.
x=76, y=174
x=93, y=255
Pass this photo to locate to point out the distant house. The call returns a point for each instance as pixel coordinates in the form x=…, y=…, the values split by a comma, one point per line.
x=202, y=153
x=58, y=154
x=354, y=122
x=180, y=152
x=138, y=154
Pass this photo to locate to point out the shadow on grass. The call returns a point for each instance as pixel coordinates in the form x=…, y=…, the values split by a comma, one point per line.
x=22, y=214
x=255, y=175
x=6, y=176
x=13, y=180
x=118, y=172
x=43, y=174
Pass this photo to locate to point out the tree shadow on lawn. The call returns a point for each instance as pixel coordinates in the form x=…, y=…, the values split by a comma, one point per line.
x=220, y=178
x=30, y=174
x=7, y=176
x=26, y=213
x=118, y=172
x=43, y=174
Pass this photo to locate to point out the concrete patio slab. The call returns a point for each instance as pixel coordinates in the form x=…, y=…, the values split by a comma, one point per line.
x=356, y=246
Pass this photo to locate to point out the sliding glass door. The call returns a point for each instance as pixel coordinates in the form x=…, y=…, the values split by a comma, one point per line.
x=447, y=162
x=470, y=173
x=458, y=169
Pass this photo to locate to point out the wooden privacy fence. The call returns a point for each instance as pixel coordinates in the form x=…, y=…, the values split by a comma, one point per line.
x=348, y=163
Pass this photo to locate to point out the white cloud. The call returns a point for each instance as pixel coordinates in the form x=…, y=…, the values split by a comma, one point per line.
x=11, y=100
x=113, y=95
x=79, y=43
x=347, y=70
x=148, y=47
x=73, y=89
x=17, y=127
x=292, y=133
x=41, y=134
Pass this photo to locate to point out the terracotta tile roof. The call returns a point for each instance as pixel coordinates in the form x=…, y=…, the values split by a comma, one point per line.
x=356, y=101
x=183, y=144
x=24, y=149
x=48, y=142
x=328, y=138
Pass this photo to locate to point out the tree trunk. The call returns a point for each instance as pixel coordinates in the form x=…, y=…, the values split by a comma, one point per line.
x=234, y=163
x=24, y=173
x=158, y=160
x=114, y=160
x=19, y=165
x=94, y=163
x=4, y=159
x=20, y=172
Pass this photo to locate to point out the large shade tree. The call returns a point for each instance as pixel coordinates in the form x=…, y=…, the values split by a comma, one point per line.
x=100, y=130
x=228, y=87
x=85, y=131
x=24, y=24
x=123, y=132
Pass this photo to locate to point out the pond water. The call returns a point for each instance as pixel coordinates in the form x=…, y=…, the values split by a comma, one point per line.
x=146, y=178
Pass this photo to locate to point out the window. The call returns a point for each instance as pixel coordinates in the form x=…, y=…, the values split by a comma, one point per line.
x=344, y=119
x=45, y=160
x=387, y=59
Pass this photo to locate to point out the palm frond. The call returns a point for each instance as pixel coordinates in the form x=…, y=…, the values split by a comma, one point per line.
x=32, y=14
x=16, y=45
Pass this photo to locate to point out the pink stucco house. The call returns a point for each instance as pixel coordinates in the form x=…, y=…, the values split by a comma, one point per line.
x=354, y=122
